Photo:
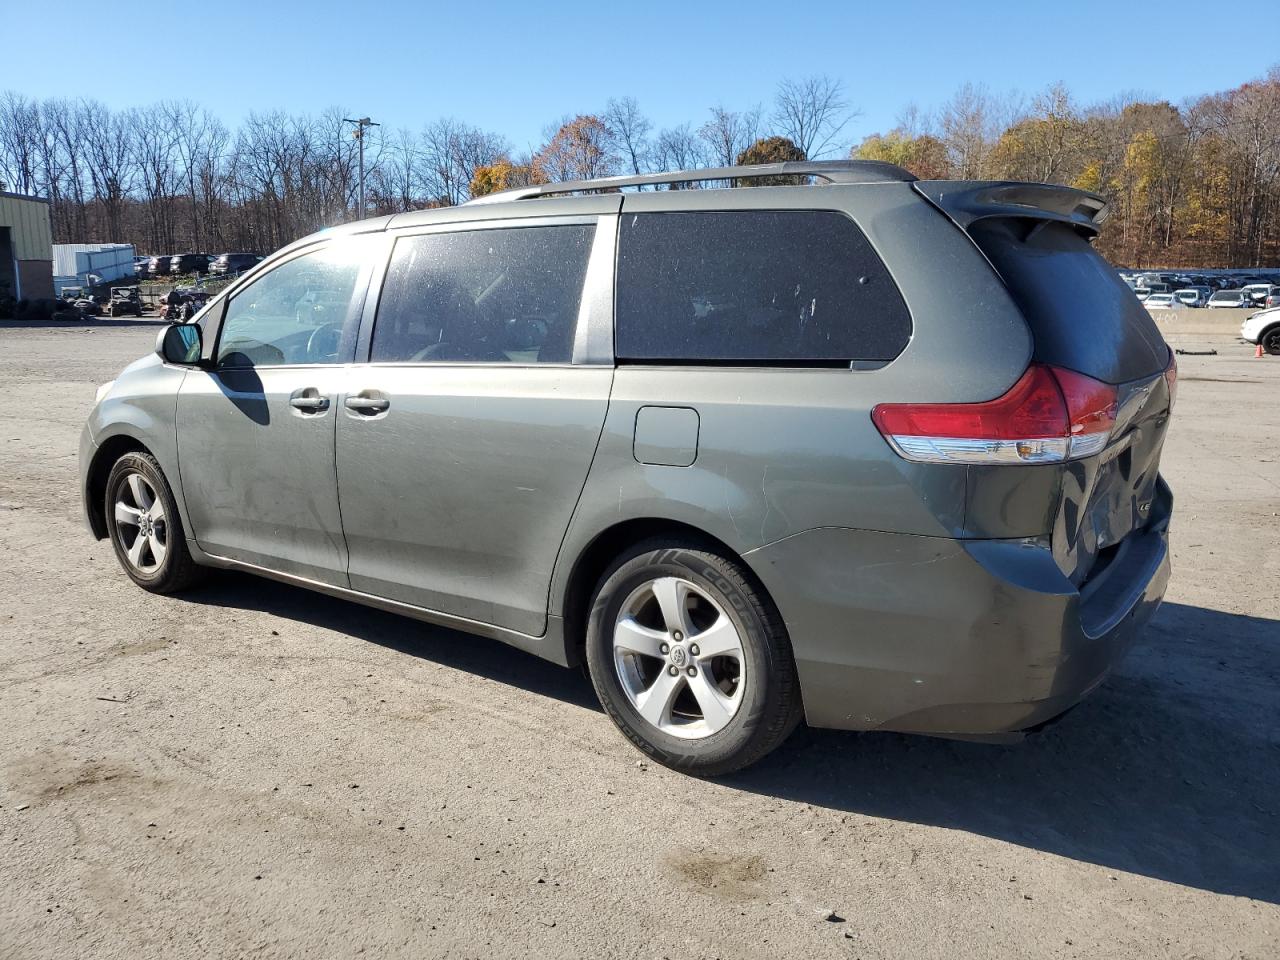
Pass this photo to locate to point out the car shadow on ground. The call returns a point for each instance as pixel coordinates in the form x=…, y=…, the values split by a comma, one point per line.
x=1171, y=769
x=450, y=648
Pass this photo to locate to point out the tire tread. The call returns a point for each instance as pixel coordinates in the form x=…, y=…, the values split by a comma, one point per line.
x=180, y=571
x=782, y=709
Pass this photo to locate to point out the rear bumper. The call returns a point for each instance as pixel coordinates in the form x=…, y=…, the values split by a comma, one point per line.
x=930, y=635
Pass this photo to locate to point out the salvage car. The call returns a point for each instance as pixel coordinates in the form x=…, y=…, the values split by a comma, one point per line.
x=865, y=451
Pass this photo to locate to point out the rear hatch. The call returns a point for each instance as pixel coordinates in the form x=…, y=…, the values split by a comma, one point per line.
x=1083, y=318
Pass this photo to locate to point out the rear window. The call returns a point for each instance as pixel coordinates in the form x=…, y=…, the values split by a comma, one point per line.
x=500, y=295
x=1082, y=316
x=800, y=288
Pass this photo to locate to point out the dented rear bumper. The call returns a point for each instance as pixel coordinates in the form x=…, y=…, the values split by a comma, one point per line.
x=955, y=637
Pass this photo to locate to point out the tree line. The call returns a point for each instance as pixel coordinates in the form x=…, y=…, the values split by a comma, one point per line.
x=1193, y=184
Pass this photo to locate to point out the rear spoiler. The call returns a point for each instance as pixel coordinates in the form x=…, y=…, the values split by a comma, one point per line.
x=966, y=201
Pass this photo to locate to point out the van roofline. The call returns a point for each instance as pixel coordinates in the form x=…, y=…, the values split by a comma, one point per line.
x=830, y=171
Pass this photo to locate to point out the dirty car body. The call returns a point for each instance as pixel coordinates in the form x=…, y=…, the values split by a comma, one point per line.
x=942, y=561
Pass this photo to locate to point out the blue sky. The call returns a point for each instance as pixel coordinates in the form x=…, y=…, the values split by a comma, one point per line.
x=515, y=67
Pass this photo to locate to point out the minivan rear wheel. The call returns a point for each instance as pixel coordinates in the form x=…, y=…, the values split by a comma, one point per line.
x=145, y=529
x=691, y=660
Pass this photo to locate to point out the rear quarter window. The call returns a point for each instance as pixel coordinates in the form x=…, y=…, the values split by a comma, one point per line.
x=795, y=287
x=1081, y=314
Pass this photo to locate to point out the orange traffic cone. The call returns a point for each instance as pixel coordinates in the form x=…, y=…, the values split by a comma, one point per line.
x=1257, y=353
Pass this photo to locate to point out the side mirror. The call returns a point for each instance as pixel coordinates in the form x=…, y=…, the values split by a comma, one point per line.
x=181, y=343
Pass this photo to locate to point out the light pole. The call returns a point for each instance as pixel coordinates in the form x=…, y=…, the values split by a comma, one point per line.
x=361, y=124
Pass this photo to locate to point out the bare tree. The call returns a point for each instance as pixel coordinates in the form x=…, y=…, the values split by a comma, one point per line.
x=195, y=134
x=679, y=148
x=970, y=124
x=728, y=133
x=452, y=151
x=108, y=157
x=630, y=129
x=394, y=184
x=19, y=143
x=812, y=114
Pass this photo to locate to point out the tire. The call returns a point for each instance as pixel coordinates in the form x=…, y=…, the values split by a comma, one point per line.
x=161, y=563
x=1270, y=340
x=751, y=693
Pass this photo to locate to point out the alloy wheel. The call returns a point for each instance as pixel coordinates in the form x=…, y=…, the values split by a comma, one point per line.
x=679, y=658
x=140, y=523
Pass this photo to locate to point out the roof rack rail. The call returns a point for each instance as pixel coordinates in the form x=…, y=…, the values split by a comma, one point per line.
x=832, y=171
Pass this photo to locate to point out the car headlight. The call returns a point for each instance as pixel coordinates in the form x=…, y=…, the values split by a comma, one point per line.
x=102, y=391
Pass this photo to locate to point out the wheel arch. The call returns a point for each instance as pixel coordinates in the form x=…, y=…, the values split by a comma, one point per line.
x=104, y=458
x=610, y=543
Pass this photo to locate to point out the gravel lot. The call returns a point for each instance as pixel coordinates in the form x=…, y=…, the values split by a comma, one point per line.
x=253, y=769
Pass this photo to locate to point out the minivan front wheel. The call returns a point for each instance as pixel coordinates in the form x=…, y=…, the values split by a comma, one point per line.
x=145, y=529
x=691, y=660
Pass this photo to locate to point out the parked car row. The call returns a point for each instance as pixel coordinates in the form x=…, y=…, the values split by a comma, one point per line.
x=1167, y=282
x=227, y=264
x=1162, y=295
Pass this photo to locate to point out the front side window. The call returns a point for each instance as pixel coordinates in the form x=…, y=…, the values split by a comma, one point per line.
x=798, y=287
x=503, y=295
x=294, y=314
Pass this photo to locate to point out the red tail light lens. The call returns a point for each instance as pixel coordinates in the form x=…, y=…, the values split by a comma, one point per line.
x=1091, y=406
x=1048, y=416
x=1171, y=378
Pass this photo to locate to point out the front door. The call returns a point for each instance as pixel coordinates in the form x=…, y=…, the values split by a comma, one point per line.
x=256, y=432
x=465, y=441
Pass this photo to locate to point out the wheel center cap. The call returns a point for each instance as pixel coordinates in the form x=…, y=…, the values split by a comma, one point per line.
x=679, y=656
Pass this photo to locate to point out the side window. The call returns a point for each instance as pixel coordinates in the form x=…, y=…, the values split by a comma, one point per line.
x=293, y=314
x=799, y=287
x=504, y=295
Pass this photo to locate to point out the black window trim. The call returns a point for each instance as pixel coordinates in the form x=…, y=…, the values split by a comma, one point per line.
x=604, y=244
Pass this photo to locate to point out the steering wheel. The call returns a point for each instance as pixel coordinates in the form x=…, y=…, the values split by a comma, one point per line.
x=323, y=343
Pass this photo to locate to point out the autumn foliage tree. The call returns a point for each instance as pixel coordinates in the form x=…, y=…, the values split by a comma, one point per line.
x=924, y=155
x=580, y=149
x=504, y=174
x=769, y=150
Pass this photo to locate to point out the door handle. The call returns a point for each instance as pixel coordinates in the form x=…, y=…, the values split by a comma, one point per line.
x=362, y=403
x=307, y=401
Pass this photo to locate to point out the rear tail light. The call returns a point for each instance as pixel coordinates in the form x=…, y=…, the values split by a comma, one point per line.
x=1049, y=416
x=1171, y=378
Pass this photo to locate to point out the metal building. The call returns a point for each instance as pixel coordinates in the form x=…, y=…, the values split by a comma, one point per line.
x=26, y=247
x=80, y=264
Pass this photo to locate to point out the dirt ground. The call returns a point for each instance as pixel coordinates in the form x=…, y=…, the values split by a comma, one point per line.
x=257, y=770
